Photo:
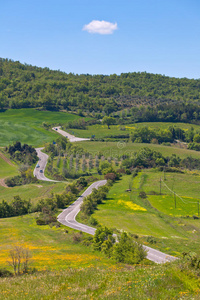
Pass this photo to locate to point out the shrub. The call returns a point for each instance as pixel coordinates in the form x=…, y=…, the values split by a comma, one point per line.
x=151, y=240
x=142, y=195
x=128, y=251
x=5, y=273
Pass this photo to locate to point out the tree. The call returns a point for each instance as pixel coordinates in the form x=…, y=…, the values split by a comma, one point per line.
x=101, y=235
x=19, y=259
x=128, y=251
x=108, y=121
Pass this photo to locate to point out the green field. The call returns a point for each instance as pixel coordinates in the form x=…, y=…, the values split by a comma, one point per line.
x=186, y=186
x=34, y=191
x=69, y=270
x=115, y=149
x=25, y=125
x=102, y=131
x=151, y=217
x=50, y=247
x=7, y=170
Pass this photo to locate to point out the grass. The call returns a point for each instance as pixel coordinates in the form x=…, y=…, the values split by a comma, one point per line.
x=119, y=283
x=25, y=125
x=67, y=270
x=102, y=131
x=34, y=191
x=115, y=149
x=7, y=170
x=127, y=211
x=50, y=247
x=184, y=185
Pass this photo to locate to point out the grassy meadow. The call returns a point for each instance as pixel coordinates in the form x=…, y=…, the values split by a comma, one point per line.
x=70, y=270
x=174, y=232
x=115, y=149
x=185, y=186
x=25, y=125
x=102, y=131
x=34, y=191
x=7, y=170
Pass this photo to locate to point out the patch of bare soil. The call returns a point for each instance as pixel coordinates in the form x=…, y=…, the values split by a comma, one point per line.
x=2, y=183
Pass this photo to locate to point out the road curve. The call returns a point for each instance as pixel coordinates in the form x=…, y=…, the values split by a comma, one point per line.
x=43, y=157
x=71, y=138
x=68, y=218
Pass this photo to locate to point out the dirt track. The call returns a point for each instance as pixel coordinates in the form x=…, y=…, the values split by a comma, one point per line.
x=6, y=159
x=2, y=183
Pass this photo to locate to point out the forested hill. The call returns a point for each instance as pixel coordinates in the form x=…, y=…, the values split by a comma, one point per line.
x=23, y=85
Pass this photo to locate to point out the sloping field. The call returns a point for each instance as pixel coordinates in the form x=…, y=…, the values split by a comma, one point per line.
x=102, y=131
x=25, y=125
x=115, y=149
x=7, y=168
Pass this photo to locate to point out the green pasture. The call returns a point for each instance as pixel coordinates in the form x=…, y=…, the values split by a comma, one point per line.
x=51, y=247
x=7, y=170
x=34, y=191
x=115, y=149
x=25, y=125
x=127, y=211
x=124, y=210
x=185, y=186
x=102, y=131
x=115, y=283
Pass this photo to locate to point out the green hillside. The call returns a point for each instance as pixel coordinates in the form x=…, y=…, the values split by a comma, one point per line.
x=23, y=86
x=27, y=126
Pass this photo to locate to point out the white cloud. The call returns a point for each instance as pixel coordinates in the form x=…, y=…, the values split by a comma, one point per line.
x=101, y=27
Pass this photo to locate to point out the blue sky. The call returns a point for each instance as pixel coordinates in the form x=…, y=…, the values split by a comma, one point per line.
x=155, y=36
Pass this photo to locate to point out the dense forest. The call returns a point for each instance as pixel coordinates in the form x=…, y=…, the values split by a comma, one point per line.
x=23, y=86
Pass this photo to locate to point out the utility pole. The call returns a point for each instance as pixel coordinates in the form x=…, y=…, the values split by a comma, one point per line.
x=174, y=199
x=160, y=185
x=164, y=173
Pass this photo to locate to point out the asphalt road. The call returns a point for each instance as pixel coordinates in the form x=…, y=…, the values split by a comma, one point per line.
x=71, y=137
x=39, y=172
x=68, y=218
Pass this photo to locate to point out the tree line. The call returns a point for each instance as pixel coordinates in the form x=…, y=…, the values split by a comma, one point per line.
x=147, y=158
x=23, y=86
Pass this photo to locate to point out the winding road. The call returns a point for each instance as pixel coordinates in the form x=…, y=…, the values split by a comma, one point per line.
x=41, y=165
x=68, y=216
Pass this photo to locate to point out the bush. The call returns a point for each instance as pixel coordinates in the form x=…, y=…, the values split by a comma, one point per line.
x=5, y=273
x=128, y=251
x=151, y=240
x=93, y=221
x=142, y=195
x=110, y=176
x=77, y=237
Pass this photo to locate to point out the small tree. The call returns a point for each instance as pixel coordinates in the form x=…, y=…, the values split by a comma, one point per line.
x=108, y=121
x=128, y=251
x=19, y=259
